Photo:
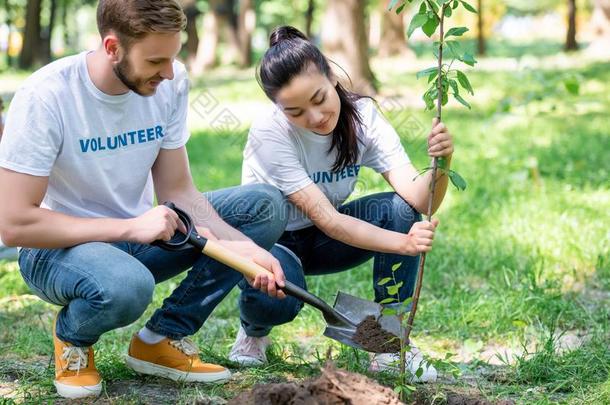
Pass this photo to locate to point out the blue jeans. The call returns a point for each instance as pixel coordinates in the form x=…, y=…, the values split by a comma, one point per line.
x=314, y=253
x=104, y=286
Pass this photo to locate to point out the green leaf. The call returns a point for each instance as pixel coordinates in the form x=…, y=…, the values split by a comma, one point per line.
x=455, y=49
x=455, y=4
x=519, y=323
x=448, y=12
x=400, y=8
x=442, y=163
x=392, y=4
x=387, y=301
x=423, y=8
x=432, y=76
x=426, y=72
x=468, y=59
x=417, y=21
x=396, y=266
x=464, y=82
x=454, y=86
x=456, y=32
x=430, y=26
x=384, y=281
x=444, y=98
x=419, y=372
x=393, y=289
x=468, y=7
x=572, y=86
x=406, y=302
x=388, y=311
x=464, y=103
x=457, y=180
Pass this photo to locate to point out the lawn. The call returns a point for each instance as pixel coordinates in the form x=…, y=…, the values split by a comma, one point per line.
x=517, y=288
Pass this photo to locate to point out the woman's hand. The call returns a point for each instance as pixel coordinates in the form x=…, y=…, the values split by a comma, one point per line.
x=440, y=143
x=420, y=237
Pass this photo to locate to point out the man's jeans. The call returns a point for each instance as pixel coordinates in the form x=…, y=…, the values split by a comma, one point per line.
x=314, y=253
x=104, y=286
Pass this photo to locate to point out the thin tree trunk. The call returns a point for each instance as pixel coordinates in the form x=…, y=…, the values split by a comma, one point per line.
x=47, y=34
x=345, y=42
x=393, y=40
x=208, y=45
x=309, y=17
x=8, y=21
x=571, y=44
x=481, y=45
x=30, y=53
x=245, y=28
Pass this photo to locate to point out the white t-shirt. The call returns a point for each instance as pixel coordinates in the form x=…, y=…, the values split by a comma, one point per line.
x=291, y=158
x=96, y=149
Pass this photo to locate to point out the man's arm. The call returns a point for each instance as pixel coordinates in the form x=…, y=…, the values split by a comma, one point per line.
x=173, y=182
x=24, y=223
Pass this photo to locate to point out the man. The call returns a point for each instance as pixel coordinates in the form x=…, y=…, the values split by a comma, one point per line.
x=89, y=139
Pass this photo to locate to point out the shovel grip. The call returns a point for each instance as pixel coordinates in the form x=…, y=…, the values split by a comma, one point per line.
x=246, y=267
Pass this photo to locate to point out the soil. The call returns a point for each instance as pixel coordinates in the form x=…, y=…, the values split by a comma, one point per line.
x=373, y=338
x=333, y=387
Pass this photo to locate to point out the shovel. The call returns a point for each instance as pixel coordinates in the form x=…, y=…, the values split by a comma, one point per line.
x=353, y=321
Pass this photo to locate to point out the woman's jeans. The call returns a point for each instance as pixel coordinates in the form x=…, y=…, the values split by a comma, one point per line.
x=104, y=286
x=311, y=252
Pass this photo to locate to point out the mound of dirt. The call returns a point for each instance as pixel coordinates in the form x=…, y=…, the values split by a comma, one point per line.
x=333, y=387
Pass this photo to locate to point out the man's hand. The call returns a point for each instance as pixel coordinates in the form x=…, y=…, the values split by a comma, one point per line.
x=159, y=223
x=440, y=143
x=268, y=282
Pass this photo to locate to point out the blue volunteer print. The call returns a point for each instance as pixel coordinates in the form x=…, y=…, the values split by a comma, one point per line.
x=99, y=144
x=333, y=177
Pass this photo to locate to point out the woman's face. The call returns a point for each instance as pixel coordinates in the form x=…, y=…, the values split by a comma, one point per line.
x=310, y=101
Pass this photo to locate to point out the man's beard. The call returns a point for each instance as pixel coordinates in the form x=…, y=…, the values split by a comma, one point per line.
x=122, y=71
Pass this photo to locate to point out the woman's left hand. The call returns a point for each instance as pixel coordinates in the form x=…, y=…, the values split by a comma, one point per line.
x=440, y=143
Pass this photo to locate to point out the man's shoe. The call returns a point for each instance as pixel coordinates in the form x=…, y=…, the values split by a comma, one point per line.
x=414, y=360
x=177, y=360
x=75, y=372
x=249, y=351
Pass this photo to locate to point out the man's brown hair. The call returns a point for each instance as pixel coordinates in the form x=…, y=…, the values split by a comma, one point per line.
x=134, y=19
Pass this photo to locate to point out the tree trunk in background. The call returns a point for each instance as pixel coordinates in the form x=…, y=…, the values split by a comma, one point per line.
x=571, y=44
x=47, y=34
x=393, y=40
x=481, y=45
x=192, y=40
x=245, y=28
x=208, y=45
x=30, y=53
x=8, y=21
x=345, y=42
x=309, y=17
x=600, y=20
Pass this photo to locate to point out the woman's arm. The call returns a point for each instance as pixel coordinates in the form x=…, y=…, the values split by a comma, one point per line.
x=416, y=189
x=355, y=232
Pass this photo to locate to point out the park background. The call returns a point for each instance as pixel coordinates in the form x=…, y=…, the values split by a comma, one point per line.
x=517, y=289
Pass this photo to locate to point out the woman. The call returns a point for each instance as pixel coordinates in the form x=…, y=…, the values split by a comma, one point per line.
x=311, y=146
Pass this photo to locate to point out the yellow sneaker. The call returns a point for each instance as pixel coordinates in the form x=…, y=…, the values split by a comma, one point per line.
x=177, y=360
x=75, y=372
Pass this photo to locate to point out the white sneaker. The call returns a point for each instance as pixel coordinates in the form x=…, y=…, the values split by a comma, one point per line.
x=249, y=351
x=414, y=360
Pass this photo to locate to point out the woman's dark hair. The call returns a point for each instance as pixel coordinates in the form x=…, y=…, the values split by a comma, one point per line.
x=290, y=53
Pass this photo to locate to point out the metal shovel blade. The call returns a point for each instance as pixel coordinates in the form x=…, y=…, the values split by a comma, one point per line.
x=356, y=310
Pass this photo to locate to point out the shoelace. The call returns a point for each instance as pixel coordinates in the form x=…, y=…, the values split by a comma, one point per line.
x=186, y=346
x=76, y=358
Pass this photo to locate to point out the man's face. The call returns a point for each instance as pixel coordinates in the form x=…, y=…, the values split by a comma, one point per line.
x=148, y=62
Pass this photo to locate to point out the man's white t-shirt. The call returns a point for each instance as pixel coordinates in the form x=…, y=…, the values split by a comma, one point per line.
x=291, y=158
x=96, y=149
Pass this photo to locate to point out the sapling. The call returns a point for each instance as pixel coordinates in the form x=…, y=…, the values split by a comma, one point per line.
x=444, y=80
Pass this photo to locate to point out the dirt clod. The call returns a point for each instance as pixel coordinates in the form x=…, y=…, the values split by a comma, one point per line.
x=373, y=338
x=333, y=387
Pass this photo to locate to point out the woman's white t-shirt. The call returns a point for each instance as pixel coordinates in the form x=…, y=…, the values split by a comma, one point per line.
x=291, y=158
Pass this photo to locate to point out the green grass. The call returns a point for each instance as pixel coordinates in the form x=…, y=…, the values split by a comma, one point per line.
x=521, y=257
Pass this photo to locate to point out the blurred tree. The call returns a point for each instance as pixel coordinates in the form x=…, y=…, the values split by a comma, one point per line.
x=345, y=42
x=600, y=21
x=393, y=40
x=481, y=43
x=571, y=44
x=311, y=7
x=192, y=38
x=245, y=27
x=30, y=53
